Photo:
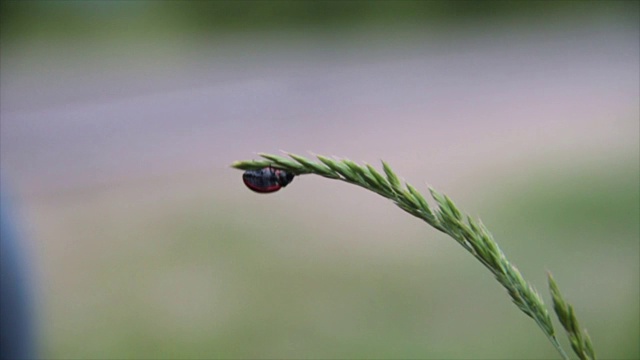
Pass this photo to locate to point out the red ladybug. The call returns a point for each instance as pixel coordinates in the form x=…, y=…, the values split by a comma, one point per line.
x=266, y=180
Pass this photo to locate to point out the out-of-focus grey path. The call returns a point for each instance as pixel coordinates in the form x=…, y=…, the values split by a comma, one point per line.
x=74, y=117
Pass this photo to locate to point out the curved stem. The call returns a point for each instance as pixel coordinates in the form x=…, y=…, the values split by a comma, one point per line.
x=447, y=218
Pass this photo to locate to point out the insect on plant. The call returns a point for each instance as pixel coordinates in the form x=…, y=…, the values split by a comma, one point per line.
x=274, y=172
x=266, y=180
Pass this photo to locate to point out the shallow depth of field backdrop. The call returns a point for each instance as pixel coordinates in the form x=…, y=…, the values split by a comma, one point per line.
x=119, y=121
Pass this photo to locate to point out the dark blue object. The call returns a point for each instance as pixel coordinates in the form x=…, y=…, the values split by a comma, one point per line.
x=266, y=180
x=16, y=317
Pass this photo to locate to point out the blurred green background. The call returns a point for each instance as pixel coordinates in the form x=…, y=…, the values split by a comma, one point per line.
x=119, y=121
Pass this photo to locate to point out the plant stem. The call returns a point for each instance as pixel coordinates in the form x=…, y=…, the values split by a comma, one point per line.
x=470, y=233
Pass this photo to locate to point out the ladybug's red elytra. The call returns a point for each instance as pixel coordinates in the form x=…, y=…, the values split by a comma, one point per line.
x=266, y=180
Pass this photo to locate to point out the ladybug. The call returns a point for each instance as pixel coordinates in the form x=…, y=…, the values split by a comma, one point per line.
x=266, y=180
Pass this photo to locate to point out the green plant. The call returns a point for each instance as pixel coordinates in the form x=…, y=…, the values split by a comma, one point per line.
x=470, y=233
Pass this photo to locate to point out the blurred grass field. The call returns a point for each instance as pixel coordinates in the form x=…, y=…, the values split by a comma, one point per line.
x=119, y=121
x=198, y=275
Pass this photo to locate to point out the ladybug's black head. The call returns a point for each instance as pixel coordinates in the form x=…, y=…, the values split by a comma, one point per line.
x=283, y=177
